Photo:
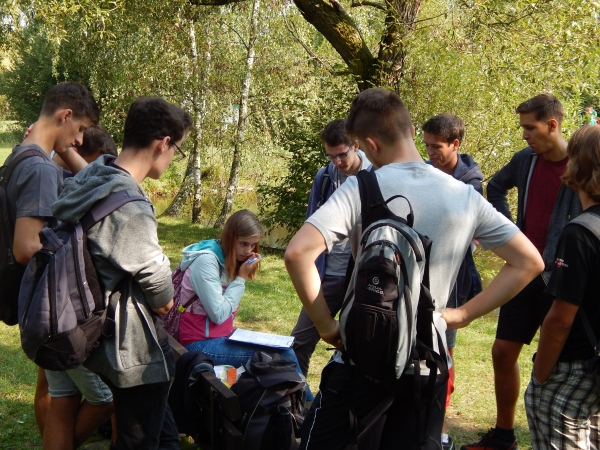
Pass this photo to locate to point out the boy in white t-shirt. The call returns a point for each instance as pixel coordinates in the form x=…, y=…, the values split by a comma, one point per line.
x=451, y=214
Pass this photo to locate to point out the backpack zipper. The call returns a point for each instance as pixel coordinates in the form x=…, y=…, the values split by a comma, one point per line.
x=80, y=286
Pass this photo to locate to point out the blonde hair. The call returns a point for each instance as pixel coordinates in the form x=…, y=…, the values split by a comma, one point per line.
x=241, y=223
x=583, y=170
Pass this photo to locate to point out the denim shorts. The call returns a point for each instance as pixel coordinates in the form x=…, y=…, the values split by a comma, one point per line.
x=78, y=381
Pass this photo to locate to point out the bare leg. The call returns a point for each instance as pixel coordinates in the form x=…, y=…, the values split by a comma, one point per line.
x=505, y=355
x=41, y=401
x=60, y=423
x=89, y=418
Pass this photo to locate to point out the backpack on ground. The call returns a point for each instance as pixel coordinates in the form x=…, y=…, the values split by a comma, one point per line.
x=386, y=321
x=62, y=313
x=11, y=272
x=272, y=396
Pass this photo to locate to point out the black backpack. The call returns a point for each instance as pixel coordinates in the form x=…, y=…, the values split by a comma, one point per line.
x=272, y=396
x=11, y=271
x=387, y=317
x=62, y=313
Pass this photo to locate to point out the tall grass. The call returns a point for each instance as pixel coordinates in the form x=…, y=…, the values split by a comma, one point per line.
x=270, y=304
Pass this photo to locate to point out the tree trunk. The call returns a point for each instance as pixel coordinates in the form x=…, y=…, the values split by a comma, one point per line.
x=199, y=114
x=241, y=126
x=191, y=185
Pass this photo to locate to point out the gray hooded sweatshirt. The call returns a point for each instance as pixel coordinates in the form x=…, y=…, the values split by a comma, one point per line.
x=125, y=243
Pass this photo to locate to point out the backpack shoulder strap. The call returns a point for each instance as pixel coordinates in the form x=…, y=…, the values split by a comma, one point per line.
x=108, y=205
x=373, y=207
x=370, y=197
x=11, y=163
x=590, y=221
x=325, y=186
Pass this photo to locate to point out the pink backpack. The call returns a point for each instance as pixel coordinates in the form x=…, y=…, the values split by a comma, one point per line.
x=172, y=318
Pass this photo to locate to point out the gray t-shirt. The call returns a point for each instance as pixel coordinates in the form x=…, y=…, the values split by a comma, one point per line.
x=450, y=212
x=338, y=256
x=34, y=185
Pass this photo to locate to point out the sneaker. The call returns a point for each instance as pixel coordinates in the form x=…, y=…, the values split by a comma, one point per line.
x=448, y=445
x=489, y=442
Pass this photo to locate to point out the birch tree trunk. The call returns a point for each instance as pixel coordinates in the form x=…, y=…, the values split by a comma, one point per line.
x=241, y=126
x=199, y=114
x=191, y=185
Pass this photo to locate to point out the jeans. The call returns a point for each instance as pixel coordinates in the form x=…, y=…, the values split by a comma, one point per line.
x=222, y=351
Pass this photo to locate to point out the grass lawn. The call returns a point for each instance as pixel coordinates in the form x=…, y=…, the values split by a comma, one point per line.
x=4, y=152
x=270, y=304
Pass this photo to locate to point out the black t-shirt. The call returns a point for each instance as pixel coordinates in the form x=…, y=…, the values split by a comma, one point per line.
x=576, y=279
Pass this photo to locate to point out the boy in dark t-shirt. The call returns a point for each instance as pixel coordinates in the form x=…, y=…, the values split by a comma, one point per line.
x=544, y=208
x=562, y=400
x=68, y=110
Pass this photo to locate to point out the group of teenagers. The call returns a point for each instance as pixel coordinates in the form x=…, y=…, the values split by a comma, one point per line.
x=551, y=270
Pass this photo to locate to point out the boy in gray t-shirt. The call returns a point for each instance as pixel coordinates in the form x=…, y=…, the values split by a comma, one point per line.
x=63, y=419
x=447, y=211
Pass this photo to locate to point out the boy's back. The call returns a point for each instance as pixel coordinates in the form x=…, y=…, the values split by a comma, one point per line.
x=446, y=210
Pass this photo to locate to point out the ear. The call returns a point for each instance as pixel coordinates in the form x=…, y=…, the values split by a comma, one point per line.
x=373, y=145
x=456, y=144
x=552, y=125
x=162, y=146
x=412, y=131
x=62, y=115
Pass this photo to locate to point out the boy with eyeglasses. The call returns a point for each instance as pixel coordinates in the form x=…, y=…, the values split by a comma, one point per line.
x=346, y=160
x=136, y=362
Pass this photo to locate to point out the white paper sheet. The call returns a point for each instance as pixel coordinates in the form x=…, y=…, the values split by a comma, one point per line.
x=258, y=338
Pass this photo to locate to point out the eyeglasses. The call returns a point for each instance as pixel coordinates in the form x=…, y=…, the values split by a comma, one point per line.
x=341, y=156
x=181, y=156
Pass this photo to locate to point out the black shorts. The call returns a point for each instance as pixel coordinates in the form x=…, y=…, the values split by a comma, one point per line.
x=521, y=316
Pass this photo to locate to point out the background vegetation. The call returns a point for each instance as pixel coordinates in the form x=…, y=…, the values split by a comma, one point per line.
x=261, y=79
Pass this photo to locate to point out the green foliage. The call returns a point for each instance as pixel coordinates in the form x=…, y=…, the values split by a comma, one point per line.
x=283, y=203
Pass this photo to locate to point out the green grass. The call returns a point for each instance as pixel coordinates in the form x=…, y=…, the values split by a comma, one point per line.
x=4, y=152
x=270, y=304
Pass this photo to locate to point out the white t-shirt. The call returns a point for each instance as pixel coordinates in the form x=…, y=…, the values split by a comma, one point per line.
x=446, y=210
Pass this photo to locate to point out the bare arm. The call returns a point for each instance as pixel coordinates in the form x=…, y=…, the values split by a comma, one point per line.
x=27, y=240
x=72, y=159
x=553, y=335
x=300, y=257
x=523, y=264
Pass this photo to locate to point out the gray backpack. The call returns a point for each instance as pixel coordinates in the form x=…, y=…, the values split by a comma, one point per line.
x=62, y=313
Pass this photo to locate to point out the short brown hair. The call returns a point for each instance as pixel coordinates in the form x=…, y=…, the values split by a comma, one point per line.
x=73, y=96
x=544, y=106
x=583, y=169
x=97, y=139
x=242, y=223
x=379, y=113
x=334, y=133
x=446, y=126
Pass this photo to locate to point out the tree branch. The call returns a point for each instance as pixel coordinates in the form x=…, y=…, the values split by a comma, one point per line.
x=213, y=2
x=367, y=3
x=334, y=23
x=294, y=33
